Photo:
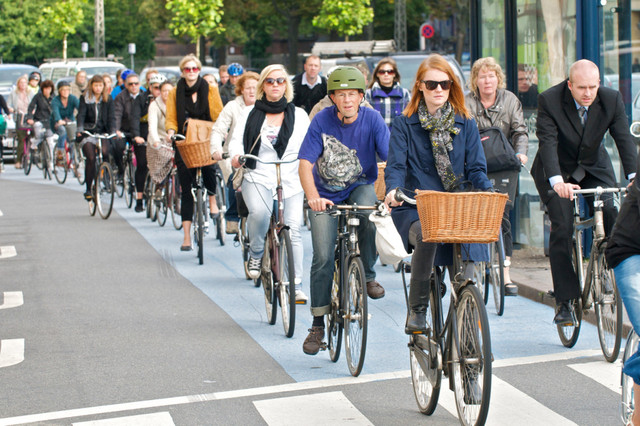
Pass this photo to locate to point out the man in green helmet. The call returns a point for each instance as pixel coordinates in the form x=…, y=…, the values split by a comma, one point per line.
x=338, y=165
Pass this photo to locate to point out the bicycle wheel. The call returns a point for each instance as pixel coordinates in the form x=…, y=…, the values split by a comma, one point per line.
x=118, y=181
x=480, y=278
x=128, y=187
x=243, y=240
x=60, y=166
x=426, y=363
x=147, y=195
x=161, y=201
x=105, y=189
x=471, y=358
x=45, y=158
x=92, y=202
x=26, y=159
x=268, y=284
x=627, y=405
x=175, y=201
x=221, y=201
x=608, y=307
x=286, y=285
x=334, y=321
x=496, y=276
x=199, y=225
x=355, y=320
x=569, y=333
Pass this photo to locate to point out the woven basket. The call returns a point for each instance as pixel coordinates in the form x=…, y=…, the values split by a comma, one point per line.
x=195, y=154
x=460, y=217
x=378, y=185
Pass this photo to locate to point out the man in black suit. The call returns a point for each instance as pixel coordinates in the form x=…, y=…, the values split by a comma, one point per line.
x=573, y=118
x=309, y=87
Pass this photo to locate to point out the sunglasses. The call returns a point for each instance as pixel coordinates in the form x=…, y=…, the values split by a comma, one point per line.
x=155, y=87
x=388, y=72
x=191, y=69
x=432, y=84
x=133, y=83
x=272, y=81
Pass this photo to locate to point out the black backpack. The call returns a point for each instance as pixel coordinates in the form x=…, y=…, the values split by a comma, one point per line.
x=498, y=151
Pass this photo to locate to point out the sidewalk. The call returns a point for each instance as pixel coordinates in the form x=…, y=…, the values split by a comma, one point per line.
x=530, y=270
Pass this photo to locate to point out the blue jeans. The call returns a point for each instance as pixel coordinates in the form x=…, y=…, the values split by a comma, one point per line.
x=324, y=231
x=628, y=282
x=259, y=201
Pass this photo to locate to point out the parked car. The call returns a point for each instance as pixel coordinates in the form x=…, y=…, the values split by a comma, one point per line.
x=173, y=73
x=9, y=74
x=55, y=70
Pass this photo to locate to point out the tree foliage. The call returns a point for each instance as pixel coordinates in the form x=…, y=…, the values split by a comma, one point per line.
x=62, y=19
x=345, y=17
x=195, y=19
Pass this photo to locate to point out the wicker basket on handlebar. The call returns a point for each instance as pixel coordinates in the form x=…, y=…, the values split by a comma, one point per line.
x=379, y=185
x=460, y=217
x=195, y=153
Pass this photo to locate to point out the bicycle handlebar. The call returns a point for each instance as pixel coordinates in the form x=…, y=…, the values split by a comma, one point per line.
x=401, y=196
x=243, y=158
x=177, y=136
x=596, y=191
x=99, y=136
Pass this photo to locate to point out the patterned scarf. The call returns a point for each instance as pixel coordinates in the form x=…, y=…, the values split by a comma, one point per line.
x=441, y=126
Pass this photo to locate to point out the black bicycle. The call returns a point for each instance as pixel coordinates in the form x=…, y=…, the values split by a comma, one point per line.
x=103, y=188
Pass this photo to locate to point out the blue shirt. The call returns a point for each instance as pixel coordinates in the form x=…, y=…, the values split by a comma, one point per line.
x=368, y=135
x=59, y=112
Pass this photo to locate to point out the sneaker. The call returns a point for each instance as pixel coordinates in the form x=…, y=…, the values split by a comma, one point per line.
x=375, y=290
x=254, y=267
x=313, y=343
x=232, y=227
x=301, y=298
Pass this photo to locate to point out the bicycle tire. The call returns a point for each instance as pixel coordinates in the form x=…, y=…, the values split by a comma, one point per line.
x=286, y=284
x=147, y=192
x=569, y=333
x=356, y=317
x=627, y=404
x=78, y=162
x=175, y=201
x=105, y=189
x=127, y=185
x=26, y=159
x=243, y=240
x=480, y=278
x=60, y=168
x=199, y=231
x=162, y=204
x=496, y=276
x=36, y=157
x=608, y=308
x=92, y=203
x=268, y=283
x=425, y=358
x=471, y=360
x=221, y=202
x=45, y=159
x=334, y=321
x=118, y=181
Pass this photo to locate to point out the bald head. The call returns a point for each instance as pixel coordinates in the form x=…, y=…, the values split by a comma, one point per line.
x=584, y=81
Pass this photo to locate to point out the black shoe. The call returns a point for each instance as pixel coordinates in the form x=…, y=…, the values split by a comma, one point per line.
x=472, y=391
x=139, y=208
x=510, y=289
x=564, y=314
x=417, y=322
x=87, y=196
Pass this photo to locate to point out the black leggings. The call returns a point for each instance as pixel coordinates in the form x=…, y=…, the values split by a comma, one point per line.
x=422, y=260
x=89, y=150
x=141, y=165
x=187, y=177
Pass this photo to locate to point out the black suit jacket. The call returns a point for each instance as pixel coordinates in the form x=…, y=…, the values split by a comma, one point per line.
x=564, y=144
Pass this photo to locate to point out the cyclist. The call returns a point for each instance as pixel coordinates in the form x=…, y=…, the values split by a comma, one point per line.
x=18, y=101
x=159, y=160
x=39, y=112
x=338, y=165
x=385, y=93
x=127, y=104
x=623, y=255
x=223, y=130
x=34, y=82
x=121, y=80
x=273, y=129
x=79, y=84
x=4, y=108
x=64, y=108
x=192, y=98
x=434, y=145
x=210, y=79
x=227, y=90
x=96, y=114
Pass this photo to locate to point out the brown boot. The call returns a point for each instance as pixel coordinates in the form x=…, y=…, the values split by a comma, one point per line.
x=375, y=290
x=313, y=343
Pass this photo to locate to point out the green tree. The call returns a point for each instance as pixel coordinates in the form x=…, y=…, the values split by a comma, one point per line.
x=61, y=19
x=345, y=17
x=195, y=19
x=292, y=13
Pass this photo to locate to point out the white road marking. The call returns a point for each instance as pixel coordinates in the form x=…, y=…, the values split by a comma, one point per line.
x=605, y=373
x=330, y=408
x=11, y=352
x=7, y=251
x=267, y=390
x=12, y=299
x=509, y=406
x=152, y=419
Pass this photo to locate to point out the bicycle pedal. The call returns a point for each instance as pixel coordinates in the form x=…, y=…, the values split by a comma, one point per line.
x=301, y=302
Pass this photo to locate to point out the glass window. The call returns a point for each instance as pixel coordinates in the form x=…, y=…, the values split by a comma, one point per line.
x=492, y=31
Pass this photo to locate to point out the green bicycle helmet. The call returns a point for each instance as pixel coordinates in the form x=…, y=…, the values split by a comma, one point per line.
x=345, y=78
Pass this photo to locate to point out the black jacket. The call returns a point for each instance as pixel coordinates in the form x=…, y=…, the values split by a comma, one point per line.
x=625, y=239
x=40, y=109
x=564, y=144
x=140, y=115
x=306, y=98
x=106, y=120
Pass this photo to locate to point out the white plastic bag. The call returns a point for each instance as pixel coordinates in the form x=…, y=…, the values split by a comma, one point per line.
x=388, y=241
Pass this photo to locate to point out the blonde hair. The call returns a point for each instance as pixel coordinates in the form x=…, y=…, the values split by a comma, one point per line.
x=288, y=92
x=189, y=57
x=489, y=64
x=22, y=77
x=456, y=95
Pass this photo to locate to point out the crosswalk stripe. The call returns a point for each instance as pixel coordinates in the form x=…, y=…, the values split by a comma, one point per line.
x=605, y=373
x=509, y=406
x=12, y=299
x=7, y=251
x=152, y=419
x=329, y=408
x=11, y=352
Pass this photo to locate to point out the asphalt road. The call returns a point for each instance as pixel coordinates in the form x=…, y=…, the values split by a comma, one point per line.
x=108, y=322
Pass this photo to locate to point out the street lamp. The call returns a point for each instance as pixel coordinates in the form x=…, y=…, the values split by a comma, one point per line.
x=132, y=52
x=85, y=48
